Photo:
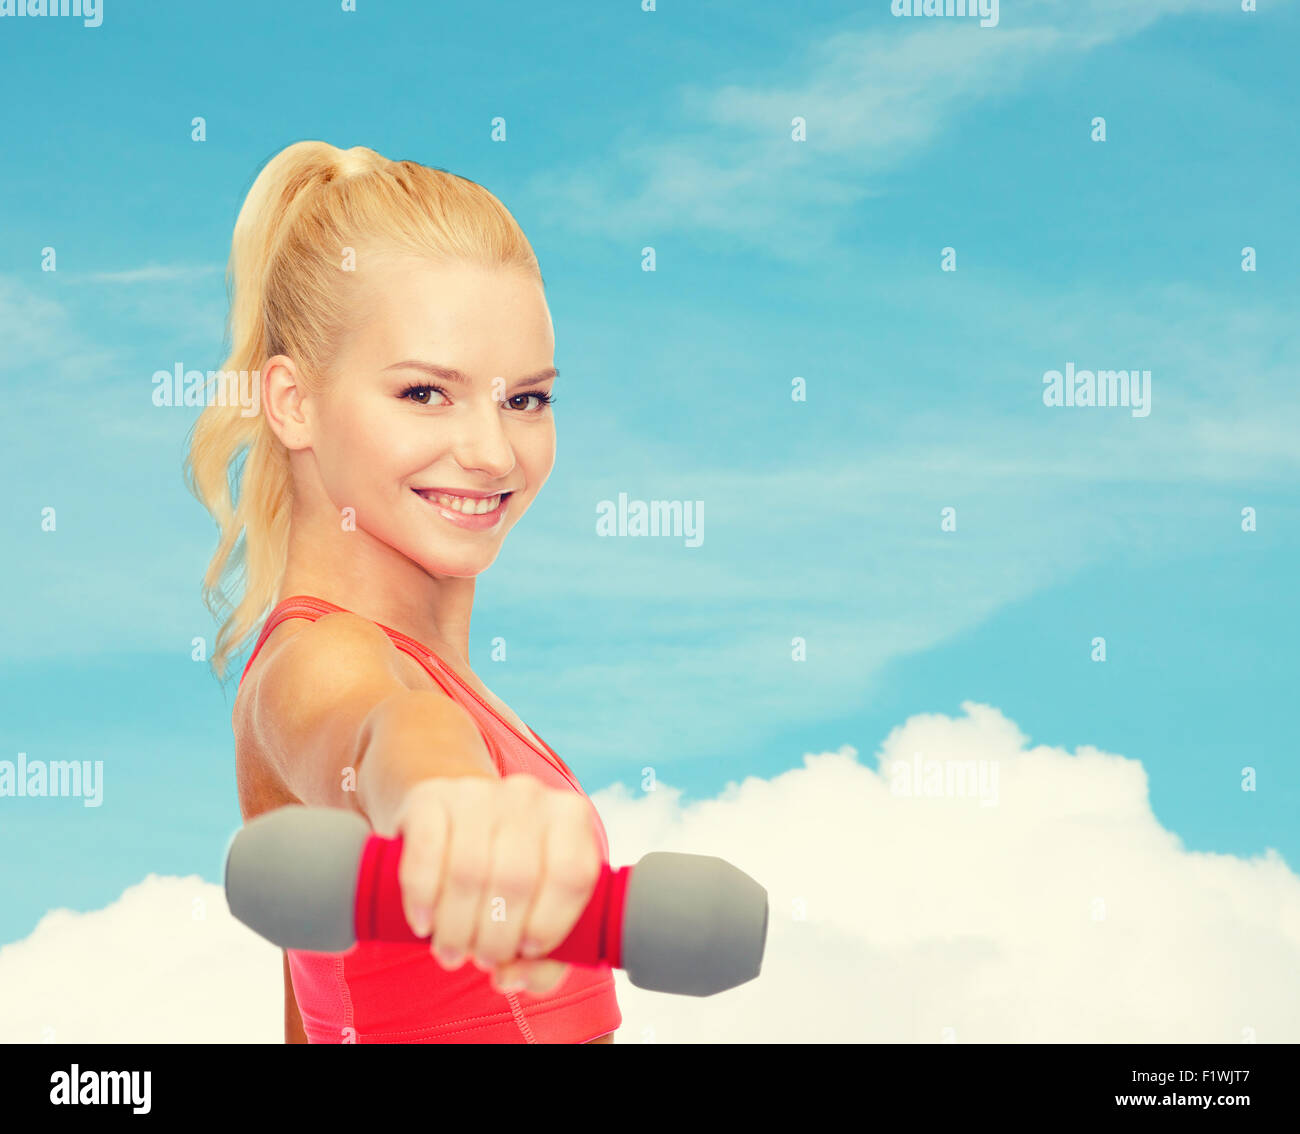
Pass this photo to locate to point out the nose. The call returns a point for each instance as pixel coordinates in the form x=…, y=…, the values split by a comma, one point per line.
x=481, y=443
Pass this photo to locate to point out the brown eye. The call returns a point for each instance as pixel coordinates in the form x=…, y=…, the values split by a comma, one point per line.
x=542, y=398
x=419, y=394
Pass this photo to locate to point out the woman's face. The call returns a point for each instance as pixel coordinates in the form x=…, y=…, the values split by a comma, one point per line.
x=434, y=425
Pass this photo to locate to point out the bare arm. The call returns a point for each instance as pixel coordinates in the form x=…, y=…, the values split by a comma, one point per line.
x=337, y=718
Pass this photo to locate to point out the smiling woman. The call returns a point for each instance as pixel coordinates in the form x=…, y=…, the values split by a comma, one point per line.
x=362, y=503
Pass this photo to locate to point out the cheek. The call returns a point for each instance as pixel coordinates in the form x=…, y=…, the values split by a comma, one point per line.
x=350, y=457
x=536, y=453
x=368, y=447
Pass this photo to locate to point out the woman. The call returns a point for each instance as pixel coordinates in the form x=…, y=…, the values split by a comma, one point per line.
x=397, y=317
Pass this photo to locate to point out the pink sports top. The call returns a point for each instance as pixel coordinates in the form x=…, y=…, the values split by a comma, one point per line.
x=378, y=992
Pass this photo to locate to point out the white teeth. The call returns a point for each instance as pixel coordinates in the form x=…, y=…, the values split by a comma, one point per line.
x=467, y=505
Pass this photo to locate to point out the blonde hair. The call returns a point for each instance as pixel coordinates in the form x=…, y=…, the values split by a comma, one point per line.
x=309, y=203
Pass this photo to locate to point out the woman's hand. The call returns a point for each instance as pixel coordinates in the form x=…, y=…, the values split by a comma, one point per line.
x=499, y=870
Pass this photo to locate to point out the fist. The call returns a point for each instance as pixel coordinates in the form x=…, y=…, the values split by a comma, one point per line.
x=498, y=871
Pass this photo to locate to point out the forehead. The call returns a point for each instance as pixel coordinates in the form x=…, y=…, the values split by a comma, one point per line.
x=487, y=321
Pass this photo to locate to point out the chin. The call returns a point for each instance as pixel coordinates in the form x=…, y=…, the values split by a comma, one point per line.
x=456, y=567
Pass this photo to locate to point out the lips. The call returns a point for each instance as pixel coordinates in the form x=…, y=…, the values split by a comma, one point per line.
x=467, y=504
x=480, y=512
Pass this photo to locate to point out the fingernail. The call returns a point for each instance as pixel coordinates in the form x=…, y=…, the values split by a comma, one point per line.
x=530, y=949
x=419, y=921
x=449, y=958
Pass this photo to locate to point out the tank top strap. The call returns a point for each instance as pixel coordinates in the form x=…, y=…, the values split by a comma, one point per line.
x=296, y=606
x=311, y=608
x=447, y=679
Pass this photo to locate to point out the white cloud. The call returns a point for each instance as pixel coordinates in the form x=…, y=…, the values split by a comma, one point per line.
x=165, y=963
x=922, y=914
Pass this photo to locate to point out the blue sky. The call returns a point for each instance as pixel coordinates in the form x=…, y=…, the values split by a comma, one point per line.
x=775, y=259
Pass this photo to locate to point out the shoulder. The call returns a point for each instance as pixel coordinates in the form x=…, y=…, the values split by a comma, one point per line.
x=317, y=648
x=330, y=657
x=308, y=691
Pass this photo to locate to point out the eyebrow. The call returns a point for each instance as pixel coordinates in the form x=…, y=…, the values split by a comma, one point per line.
x=451, y=374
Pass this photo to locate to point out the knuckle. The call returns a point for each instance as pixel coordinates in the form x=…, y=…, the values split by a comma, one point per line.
x=570, y=806
x=518, y=804
x=516, y=878
x=521, y=784
x=414, y=878
x=474, y=788
x=466, y=873
x=415, y=869
x=414, y=825
x=422, y=796
x=422, y=821
x=575, y=871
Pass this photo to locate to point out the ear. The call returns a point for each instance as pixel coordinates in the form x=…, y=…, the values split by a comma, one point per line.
x=283, y=397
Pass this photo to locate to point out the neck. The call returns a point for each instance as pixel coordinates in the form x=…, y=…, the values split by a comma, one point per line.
x=362, y=574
